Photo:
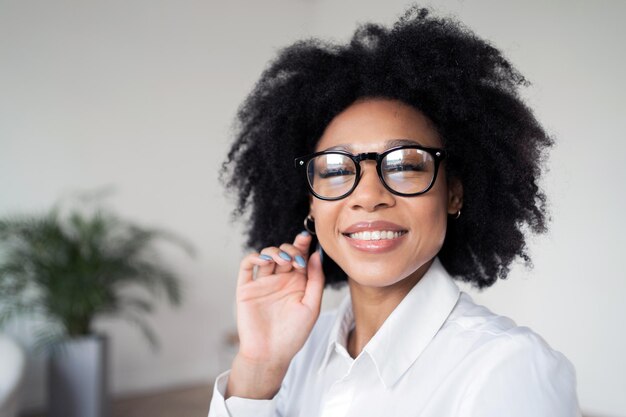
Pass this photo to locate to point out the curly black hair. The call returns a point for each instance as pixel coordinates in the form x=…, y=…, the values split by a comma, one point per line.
x=462, y=83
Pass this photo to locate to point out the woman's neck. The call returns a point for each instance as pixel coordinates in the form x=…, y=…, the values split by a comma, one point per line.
x=372, y=305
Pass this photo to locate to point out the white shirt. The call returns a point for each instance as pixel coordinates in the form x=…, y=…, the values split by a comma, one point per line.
x=438, y=354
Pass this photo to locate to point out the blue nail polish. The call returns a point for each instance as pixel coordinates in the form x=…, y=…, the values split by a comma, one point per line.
x=300, y=261
x=285, y=256
x=321, y=252
x=305, y=233
x=265, y=257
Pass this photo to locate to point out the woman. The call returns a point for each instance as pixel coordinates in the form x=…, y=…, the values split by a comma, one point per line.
x=415, y=162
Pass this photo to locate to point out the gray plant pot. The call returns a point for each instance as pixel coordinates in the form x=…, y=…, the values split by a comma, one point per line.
x=78, y=378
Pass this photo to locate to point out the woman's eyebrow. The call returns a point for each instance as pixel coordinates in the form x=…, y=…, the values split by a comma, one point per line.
x=400, y=142
x=346, y=148
x=391, y=143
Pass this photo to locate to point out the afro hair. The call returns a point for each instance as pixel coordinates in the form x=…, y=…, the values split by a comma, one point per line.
x=467, y=88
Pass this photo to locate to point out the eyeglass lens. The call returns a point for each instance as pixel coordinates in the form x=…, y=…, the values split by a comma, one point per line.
x=406, y=171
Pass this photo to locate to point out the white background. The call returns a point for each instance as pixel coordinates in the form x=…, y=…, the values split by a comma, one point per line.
x=140, y=95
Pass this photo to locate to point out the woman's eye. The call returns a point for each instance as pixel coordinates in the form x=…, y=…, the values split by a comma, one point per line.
x=335, y=173
x=406, y=167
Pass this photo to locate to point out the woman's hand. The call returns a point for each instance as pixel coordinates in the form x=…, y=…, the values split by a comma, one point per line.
x=276, y=310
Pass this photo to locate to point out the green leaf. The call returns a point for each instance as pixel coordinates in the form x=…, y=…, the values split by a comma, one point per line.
x=69, y=269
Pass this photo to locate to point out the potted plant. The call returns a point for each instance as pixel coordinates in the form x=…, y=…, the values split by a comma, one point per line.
x=65, y=269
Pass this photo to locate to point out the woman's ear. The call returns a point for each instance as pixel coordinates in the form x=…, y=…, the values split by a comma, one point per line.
x=455, y=195
x=311, y=206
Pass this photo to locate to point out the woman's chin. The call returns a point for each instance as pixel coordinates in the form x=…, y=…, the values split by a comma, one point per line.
x=375, y=278
x=385, y=274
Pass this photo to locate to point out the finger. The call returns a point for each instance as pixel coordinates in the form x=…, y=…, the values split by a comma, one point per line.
x=297, y=258
x=302, y=242
x=315, y=283
x=281, y=262
x=246, y=268
x=267, y=269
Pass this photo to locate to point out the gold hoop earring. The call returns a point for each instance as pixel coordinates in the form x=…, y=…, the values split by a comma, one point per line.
x=309, y=224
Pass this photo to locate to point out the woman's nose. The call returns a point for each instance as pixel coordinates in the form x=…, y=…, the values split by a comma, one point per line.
x=370, y=194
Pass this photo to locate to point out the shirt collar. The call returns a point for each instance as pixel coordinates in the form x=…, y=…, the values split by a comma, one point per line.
x=344, y=323
x=409, y=328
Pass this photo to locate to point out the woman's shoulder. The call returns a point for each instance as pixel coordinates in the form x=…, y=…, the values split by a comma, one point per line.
x=510, y=365
x=471, y=320
x=494, y=341
x=471, y=317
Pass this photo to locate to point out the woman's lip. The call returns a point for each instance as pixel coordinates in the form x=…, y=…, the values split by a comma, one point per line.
x=379, y=225
x=375, y=246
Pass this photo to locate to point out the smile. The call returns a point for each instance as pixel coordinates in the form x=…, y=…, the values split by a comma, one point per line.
x=375, y=235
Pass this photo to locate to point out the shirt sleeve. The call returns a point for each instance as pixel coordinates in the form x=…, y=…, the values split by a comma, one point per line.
x=283, y=400
x=237, y=406
x=523, y=377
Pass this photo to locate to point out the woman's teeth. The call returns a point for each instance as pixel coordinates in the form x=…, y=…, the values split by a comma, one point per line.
x=375, y=235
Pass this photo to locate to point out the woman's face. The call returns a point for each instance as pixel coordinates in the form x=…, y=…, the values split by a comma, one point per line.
x=369, y=126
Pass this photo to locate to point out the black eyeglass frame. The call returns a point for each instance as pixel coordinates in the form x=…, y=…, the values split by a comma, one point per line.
x=302, y=163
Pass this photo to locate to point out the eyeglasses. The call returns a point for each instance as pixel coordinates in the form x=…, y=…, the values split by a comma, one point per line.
x=404, y=170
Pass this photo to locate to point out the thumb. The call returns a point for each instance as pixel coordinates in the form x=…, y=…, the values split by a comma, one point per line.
x=315, y=283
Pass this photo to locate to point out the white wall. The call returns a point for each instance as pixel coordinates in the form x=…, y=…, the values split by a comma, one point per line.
x=141, y=94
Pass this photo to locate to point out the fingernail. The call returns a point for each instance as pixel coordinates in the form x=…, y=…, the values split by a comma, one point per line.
x=265, y=257
x=321, y=252
x=285, y=256
x=300, y=261
x=305, y=233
